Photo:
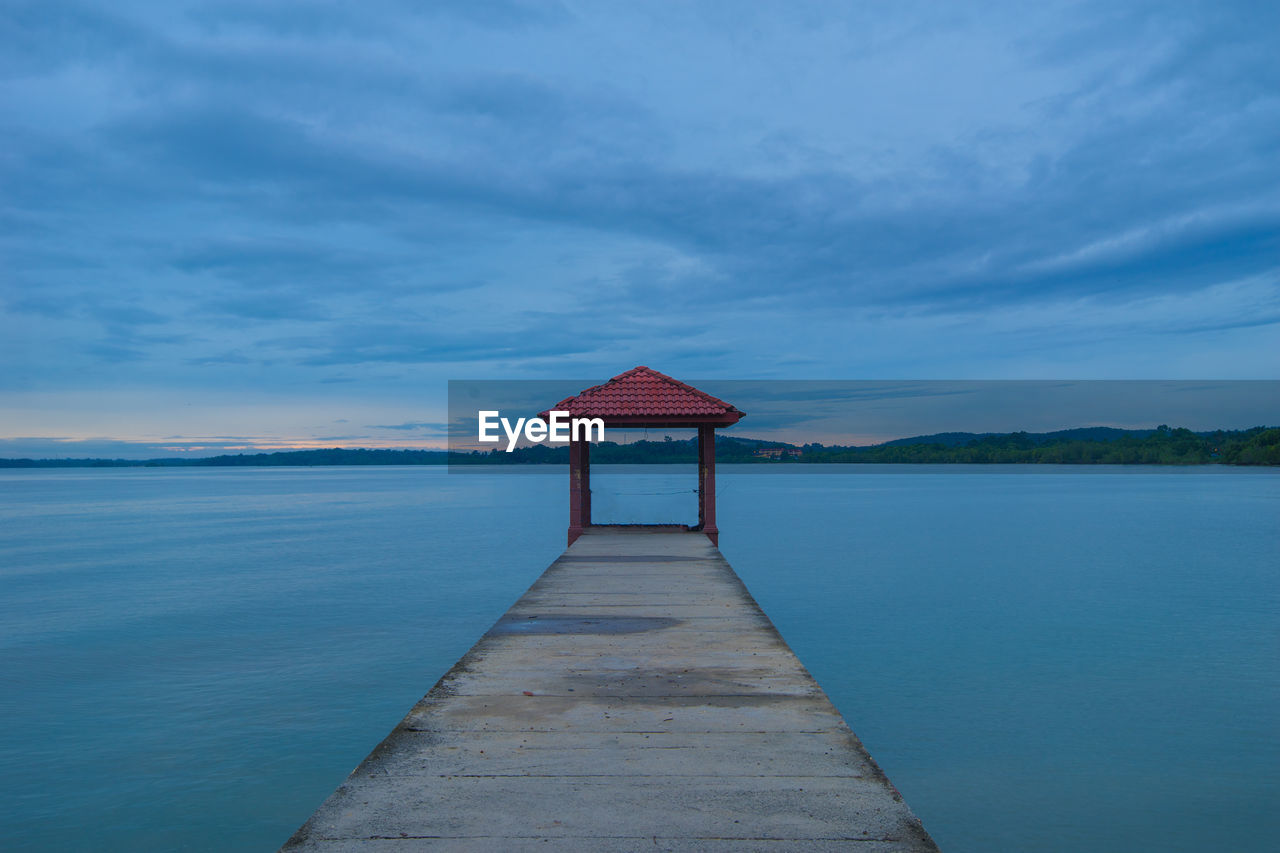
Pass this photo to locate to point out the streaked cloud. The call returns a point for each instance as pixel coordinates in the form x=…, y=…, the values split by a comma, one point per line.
x=363, y=203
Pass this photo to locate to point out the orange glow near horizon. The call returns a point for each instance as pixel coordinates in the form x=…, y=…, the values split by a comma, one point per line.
x=274, y=444
x=209, y=445
x=213, y=446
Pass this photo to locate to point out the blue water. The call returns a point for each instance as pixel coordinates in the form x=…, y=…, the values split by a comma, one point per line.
x=1041, y=658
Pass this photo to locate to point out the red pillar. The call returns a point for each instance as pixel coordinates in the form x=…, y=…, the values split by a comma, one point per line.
x=586, y=483
x=577, y=475
x=707, y=483
x=702, y=485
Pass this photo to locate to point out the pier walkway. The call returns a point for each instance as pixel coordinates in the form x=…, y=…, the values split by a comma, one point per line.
x=635, y=698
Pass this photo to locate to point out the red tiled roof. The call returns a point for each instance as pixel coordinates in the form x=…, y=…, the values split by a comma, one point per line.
x=645, y=393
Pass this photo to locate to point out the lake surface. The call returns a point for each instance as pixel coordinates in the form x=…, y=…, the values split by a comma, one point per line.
x=1041, y=658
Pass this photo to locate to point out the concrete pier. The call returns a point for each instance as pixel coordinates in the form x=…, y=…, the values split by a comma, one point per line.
x=635, y=698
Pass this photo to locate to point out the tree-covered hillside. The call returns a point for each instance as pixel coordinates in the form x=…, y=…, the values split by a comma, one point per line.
x=1162, y=446
x=1095, y=446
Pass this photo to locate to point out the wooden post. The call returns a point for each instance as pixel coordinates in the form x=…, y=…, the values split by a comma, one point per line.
x=702, y=484
x=586, y=483
x=576, y=477
x=707, y=483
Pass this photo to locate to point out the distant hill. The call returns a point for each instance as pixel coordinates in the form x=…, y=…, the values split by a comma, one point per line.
x=1088, y=446
x=330, y=456
x=961, y=439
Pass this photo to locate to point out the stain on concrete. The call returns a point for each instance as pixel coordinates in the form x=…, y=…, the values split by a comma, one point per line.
x=581, y=624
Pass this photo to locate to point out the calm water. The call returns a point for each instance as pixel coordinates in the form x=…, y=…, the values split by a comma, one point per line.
x=1041, y=658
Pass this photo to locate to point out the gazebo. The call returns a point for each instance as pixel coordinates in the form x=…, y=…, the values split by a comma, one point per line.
x=645, y=398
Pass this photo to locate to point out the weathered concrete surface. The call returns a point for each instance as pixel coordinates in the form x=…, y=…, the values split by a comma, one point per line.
x=635, y=698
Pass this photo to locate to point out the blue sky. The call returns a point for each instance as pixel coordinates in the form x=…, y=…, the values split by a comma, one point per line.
x=242, y=224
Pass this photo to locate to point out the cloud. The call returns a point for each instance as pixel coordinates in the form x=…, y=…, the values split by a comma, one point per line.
x=231, y=194
x=434, y=427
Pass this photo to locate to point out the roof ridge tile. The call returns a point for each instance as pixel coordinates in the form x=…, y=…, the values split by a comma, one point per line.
x=645, y=392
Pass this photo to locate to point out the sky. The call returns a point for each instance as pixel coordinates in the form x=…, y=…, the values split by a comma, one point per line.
x=865, y=412
x=239, y=225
